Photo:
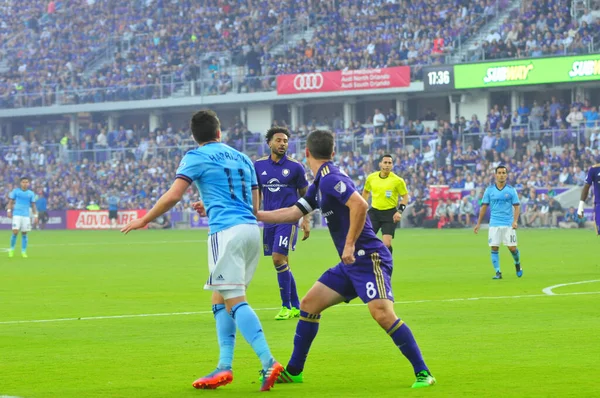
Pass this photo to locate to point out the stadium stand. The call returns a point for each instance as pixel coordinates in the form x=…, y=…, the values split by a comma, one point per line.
x=73, y=171
x=104, y=50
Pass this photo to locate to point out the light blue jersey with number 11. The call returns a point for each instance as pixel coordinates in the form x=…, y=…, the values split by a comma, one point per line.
x=225, y=179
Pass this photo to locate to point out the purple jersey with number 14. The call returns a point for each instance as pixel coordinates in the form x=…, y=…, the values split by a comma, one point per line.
x=593, y=179
x=369, y=277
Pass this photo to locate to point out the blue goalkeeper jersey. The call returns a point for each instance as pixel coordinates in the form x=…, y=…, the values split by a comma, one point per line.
x=225, y=179
x=23, y=201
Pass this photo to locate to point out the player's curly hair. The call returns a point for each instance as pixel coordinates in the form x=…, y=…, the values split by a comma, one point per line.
x=276, y=130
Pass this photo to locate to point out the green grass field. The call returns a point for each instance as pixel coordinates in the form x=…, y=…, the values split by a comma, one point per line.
x=98, y=314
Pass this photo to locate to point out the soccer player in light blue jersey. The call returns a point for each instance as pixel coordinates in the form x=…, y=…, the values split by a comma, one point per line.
x=113, y=208
x=504, y=212
x=227, y=183
x=21, y=200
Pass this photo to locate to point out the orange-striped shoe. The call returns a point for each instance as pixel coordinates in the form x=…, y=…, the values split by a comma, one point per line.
x=270, y=376
x=217, y=378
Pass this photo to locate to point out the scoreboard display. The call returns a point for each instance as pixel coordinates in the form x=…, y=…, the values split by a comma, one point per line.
x=438, y=78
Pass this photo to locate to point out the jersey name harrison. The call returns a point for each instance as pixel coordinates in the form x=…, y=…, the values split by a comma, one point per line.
x=220, y=157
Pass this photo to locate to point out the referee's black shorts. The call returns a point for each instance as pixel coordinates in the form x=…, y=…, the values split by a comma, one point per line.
x=384, y=220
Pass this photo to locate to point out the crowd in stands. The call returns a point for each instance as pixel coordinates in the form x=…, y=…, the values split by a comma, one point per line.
x=139, y=164
x=540, y=28
x=54, y=47
x=87, y=51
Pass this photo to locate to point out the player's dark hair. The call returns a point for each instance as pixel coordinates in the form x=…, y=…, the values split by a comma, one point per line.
x=320, y=144
x=24, y=178
x=204, y=126
x=387, y=155
x=501, y=167
x=276, y=130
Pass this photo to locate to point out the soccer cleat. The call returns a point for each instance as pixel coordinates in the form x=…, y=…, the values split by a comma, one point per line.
x=217, y=378
x=270, y=376
x=24, y=254
x=519, y=270
x=285, y=377
x=284, y=313
x=498, y=275
x=424, y=379
x=11, y=253
x=295, y=312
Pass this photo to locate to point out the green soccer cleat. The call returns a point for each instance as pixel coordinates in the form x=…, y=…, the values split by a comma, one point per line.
x=285, y=377
x=24, y=254
x=295, y=312
x=11, y=253
x=284, y=313
x=424, y=379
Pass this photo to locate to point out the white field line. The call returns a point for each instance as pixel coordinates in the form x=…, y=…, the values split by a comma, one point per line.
x=549, y=289
x=92, y=318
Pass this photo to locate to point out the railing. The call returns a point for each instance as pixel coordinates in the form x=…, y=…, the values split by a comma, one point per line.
x=390, y=142
x=169, y=85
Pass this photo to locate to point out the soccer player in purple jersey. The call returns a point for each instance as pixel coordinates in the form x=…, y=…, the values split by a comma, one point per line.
x=593, y=178
x=282, y=181
x=365, y=269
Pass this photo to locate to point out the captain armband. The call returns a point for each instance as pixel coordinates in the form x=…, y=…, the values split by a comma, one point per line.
x=304, y=206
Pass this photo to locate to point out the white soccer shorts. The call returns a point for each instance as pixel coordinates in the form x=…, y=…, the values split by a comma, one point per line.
x=502, y=235
x=21, y=223
x=233, y=256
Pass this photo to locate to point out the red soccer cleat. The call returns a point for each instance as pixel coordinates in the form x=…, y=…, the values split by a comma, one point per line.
x=217, y=378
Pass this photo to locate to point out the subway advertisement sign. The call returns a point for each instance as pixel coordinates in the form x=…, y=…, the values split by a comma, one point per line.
x=520, y=72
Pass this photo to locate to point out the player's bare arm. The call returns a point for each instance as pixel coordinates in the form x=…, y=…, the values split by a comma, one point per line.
x=584, y=194
x=516, y=213
x=480, y=219
x=281, y=216
x=164, y=204
x=255, y=200
x=366, y=194
x=34, y=212
x=401, y=206
x=306, y=220
x=358, y=216
x=9, y=208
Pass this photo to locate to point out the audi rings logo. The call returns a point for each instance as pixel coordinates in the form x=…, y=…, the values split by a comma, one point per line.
x=308, y=81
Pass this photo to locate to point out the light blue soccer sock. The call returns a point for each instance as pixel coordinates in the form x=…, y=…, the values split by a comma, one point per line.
x=24, y=240
x=496, y=260
x=516, y=256
x=250, y=327
x=225, y=335
x=13, y=241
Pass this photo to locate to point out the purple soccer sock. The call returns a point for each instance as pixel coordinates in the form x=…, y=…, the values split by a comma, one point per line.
x=404, y=339
x=284, y=277
x=306, y=331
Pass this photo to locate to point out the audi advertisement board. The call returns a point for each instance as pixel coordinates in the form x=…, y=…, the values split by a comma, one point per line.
x=361, y=79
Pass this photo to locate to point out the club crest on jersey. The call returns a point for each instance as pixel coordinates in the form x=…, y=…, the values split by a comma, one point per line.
x=285, y=172
x=340, y=187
